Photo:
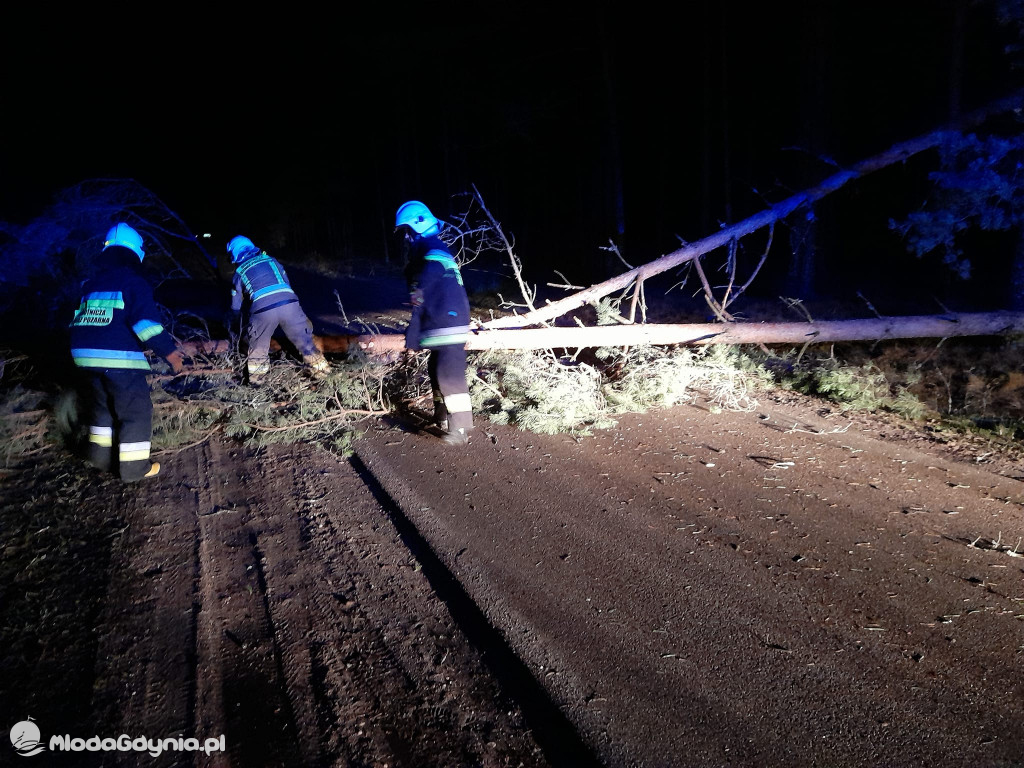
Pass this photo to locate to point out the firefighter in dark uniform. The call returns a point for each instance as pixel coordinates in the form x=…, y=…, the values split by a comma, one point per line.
x=440, y=318
x=261, y=283
x=116, y=321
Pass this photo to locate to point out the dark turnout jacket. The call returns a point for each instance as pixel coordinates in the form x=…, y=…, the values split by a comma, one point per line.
x=118, y=319
x=440, y=307
x=261, y=279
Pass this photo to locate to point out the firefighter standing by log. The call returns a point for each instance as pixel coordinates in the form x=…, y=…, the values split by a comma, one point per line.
x=260, y=282
x=440, y=318
x=117, y=319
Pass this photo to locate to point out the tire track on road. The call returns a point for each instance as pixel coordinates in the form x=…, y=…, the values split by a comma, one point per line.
x=388, y=661
x=556, y=735
x=268, y=597
x=240, y=690
x=145, y=660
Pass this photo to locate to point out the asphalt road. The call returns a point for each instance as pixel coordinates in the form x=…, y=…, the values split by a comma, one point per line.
x=773, y=588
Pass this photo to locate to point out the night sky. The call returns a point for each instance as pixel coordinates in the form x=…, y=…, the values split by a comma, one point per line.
x=313, y=127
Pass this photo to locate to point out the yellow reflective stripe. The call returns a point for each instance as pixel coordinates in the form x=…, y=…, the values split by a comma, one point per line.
x=104, y=304
x=147, y=329
x=113, y=299
x=258, y=367
x=270, y=290
x=106, y=362
x=86, y=357
x=460, y=403
x=101, y=436
x=134, y=451
x=442, y=341
x=446, y=260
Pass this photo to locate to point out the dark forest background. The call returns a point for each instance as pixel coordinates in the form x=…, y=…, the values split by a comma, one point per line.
x=604, y=123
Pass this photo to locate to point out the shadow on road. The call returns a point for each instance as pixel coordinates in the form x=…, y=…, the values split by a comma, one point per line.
x=556, y=736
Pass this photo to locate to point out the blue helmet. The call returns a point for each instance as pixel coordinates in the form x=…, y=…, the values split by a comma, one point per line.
x=237, y=246
x=126, y=237
x=417, y=217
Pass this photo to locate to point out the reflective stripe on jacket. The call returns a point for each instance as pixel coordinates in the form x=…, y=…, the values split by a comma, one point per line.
x=116, y=321
x=262, y=280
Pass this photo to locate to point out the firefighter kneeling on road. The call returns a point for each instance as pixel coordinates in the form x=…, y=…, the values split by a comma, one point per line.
x=261, y=282
x=440, y=318
x=115, y=322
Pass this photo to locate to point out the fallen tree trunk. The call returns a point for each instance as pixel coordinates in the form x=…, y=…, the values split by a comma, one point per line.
x=896, y=154
x=335, y=344
x=574, y=337
x=925, y=326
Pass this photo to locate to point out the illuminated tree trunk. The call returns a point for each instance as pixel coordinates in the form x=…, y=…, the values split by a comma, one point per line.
x=698, y=334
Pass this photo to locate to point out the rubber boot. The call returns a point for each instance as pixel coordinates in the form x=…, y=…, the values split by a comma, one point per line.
x=317, y=363
x=456, y=437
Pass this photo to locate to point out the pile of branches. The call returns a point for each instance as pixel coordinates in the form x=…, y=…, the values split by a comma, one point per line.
x=209, y=399
x=536, y=391
x=541, y=391
x=290, y=405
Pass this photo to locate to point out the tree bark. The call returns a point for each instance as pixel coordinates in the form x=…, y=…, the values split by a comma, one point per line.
x=922, y=326
x=895, y=154
x=699, y=334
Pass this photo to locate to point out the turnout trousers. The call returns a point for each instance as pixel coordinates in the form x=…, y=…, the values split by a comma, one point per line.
x=120, y=414
x=447, y=368
x=294, y=324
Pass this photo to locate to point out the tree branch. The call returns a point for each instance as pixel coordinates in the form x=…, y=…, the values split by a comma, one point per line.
x=895, y=154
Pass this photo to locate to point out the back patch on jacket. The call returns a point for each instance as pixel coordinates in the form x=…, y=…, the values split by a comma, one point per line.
x=98, y=308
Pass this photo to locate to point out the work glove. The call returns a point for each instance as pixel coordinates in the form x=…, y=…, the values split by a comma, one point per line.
x=177, y=361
